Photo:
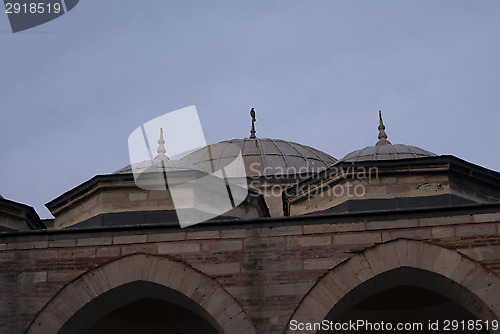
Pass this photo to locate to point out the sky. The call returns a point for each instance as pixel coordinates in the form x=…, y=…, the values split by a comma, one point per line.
x=316, y=71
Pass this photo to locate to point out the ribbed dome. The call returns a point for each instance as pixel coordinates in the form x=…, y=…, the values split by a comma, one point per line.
x=263, y=156
x=161, y=163
x=384, y=150
x=151, y=166
x=387, y=152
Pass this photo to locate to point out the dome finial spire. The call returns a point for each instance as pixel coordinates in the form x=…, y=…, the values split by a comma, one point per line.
x=161, y=148
x=382, y=136
x=252, y=131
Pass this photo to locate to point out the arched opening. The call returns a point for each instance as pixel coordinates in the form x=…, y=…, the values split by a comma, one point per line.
x=151, y=316
x=416, y=299
x=141, y=307
x=139, y=290
x=403, y=279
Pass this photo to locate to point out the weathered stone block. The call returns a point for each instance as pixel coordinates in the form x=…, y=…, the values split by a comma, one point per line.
x=43, y=254
x=390, y=224
x=204, y=291
x=313, y=310
x=62, y=243
x=162, y=270
x=166, y=236
x=239, y=233
x=76, y=253
x=219, y=268
x=437, y=221
x=476, y=229
x=179, y=247
x=323, y=263
x=446, y=261
x=32, y=277
x=336, y=284
x=202, y=235
x=486, y=253
x=63, y=275
x=379, y=259
x=308, y=241
x=217, y=302
x=144, y=248
x=414, y=233
x=95, y=241
x=138, y=196
x=239, y=324
x=356, y=238
x=443, y=232
x=486, y=217
x=159, y=195
x=281, y=230
x=89, y=203
x=129, y=239
x=108, y=251
x=191, y=282
x=286, y=289
x=28, y=245
x=319, y=228
x=225, y=245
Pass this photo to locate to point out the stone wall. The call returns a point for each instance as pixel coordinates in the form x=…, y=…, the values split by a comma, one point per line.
x=383, y=187
x=112, y=200
x=268, y=266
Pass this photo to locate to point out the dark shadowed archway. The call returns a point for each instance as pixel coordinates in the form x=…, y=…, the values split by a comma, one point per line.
x=409, y=297
x=140, y=290
x=402, y=279
x=141, y=307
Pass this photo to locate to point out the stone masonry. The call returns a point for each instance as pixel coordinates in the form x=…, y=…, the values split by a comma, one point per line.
x=268, y=266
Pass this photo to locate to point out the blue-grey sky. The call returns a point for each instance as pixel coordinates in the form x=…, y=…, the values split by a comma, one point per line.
x=316, y=72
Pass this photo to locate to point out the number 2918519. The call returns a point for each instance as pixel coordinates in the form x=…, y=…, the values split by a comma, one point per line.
x=32, y=8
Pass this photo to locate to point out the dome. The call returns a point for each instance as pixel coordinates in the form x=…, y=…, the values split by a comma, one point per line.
x=263, y=156
x=387, y=152
x=161, y=163
x=384, y=150
x=151, y=166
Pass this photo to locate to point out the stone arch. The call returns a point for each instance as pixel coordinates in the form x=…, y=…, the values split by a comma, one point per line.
x=475, y=286
x=225, y=313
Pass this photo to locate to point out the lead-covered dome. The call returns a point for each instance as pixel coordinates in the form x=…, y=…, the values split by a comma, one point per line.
x=263, y=156
x=387, y=152
x=384, y=150
x=155, y=166
x=161, y=163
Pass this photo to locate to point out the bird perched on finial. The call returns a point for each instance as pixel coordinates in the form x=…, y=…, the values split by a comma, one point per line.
x=252, y=131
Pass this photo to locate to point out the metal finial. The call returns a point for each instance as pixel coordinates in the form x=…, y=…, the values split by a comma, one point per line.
x=252, y=131
x=161, y=148
x=382, y=136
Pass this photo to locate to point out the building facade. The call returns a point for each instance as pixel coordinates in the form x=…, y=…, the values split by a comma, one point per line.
x=388, y=234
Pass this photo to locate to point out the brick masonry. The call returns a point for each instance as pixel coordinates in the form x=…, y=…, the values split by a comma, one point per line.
x=268, y=267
